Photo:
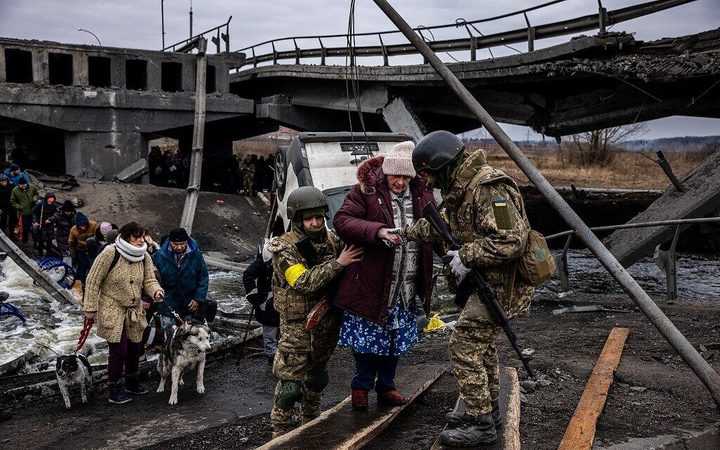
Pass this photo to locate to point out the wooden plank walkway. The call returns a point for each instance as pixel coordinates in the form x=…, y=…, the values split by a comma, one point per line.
x=509, y=400
x=342, y=428
x=580, y=432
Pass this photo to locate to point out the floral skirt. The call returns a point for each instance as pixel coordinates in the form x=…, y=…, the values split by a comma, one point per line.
x=393, y=339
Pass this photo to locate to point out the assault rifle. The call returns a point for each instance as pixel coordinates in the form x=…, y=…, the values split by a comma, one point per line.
x=485, y=292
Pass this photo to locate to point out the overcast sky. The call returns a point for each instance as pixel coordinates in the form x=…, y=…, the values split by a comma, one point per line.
x=137, y=24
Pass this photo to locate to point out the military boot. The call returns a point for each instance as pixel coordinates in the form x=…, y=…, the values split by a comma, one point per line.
x=455, y=418
x=478, y=430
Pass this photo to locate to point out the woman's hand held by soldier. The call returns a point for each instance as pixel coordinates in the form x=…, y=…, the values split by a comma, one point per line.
x=387, y=235
x=349, y=255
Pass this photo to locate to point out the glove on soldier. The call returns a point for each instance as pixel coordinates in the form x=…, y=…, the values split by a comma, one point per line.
x=456, y=266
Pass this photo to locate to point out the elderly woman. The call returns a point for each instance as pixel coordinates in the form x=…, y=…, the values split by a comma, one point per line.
x=113, y=293
x=379, y=294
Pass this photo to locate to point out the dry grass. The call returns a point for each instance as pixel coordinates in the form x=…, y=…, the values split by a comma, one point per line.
x=627, y=170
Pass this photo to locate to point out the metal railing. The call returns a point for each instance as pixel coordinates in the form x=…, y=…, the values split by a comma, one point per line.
x=476, y=39
x=668, y=258
x=216, y=36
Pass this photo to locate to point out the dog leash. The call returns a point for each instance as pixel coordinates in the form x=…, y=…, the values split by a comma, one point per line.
x=87, y=326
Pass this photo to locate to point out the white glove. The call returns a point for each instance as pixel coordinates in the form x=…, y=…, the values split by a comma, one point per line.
x=457, y=267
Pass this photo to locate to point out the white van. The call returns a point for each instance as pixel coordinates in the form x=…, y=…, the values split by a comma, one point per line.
x=327, y=161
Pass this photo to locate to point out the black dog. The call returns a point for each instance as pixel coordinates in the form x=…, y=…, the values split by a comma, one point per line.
x=73, y=369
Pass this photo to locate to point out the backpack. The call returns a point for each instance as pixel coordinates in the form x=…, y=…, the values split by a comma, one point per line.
x=537, y=264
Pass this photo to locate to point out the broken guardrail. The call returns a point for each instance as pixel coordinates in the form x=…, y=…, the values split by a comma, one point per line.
x=677, y=340
x=668, y=259
x=475, y=40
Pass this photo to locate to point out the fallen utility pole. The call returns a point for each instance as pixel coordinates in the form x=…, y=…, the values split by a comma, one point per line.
x=193, y=189
x=687, y=352
x=31, y=268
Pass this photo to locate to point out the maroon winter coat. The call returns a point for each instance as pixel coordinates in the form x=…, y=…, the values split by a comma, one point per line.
x=364, y=287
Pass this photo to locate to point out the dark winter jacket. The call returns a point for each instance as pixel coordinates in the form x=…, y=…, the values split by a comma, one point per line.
x=257, y=280
x=5, y=206
x=184, y=282
x=43, y=211
x=63, y=225
x=364, y=288
x=23, y=200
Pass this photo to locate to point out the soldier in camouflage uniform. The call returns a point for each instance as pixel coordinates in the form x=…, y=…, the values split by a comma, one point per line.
x=247, y=170
x=486, y=215
x=305, y=261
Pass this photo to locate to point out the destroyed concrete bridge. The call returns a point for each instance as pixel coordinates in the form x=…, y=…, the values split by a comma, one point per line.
x=92, y=110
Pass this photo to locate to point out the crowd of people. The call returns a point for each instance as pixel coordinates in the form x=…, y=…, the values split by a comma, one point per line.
x=362, y=285
x=244, y=174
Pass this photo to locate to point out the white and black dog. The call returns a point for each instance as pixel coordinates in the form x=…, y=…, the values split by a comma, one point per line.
x=71, y=370
x=182, y=353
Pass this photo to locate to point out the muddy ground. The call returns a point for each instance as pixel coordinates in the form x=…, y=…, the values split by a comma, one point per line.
x=654, y=392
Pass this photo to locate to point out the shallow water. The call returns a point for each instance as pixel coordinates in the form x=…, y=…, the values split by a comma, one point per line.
x=698, y=277
x=52, y=326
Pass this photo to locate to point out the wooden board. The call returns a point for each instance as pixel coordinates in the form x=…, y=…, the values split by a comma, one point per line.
x=343, y=428
x=580, y=433
x=509, y=401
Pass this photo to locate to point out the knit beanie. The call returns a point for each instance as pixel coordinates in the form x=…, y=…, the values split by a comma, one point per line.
x=105, y=228
x=68, y=206
x=178, y=235
x=399, y=160
x=81, y=218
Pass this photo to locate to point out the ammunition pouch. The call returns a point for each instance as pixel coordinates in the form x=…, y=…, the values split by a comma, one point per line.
x=290, y=393
x=291, y=304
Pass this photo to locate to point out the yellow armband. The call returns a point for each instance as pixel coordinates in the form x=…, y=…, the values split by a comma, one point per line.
x=293, y=273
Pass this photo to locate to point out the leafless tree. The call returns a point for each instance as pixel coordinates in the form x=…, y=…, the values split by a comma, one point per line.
x=598, y=147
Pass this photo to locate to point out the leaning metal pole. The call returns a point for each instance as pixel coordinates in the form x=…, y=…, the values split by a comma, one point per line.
x=193, y=189
x=688, y=353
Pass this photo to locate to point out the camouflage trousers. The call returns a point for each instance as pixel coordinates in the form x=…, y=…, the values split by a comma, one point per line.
x=248, y=181
x=301, y=368
x=475, y=363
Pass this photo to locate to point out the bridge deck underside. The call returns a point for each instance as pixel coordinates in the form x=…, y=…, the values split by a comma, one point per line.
x=586, y=84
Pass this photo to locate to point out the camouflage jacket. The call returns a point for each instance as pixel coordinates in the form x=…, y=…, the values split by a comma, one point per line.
x=486, y=214
x=297, y=287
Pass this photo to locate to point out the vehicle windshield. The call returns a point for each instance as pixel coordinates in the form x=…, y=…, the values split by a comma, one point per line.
x=335, y=198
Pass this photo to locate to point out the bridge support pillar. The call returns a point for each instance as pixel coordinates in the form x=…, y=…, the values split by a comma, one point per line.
x=102, y=155
x=400, y=119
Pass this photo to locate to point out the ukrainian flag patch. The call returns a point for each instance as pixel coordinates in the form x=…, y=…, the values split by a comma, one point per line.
x=502, y=215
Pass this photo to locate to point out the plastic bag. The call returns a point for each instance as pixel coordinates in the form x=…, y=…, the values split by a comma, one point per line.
x=434, y=324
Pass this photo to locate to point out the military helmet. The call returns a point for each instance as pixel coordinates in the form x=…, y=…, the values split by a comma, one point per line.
x=305, y=197
x=436, y=150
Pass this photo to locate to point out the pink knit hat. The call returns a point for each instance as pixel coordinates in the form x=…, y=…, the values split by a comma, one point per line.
x=399, y=160
x=105, y=228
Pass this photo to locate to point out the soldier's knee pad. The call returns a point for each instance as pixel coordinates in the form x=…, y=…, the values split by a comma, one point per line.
x=318, y=380
x=290, y=392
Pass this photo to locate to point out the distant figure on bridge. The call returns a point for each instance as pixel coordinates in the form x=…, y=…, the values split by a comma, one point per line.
x=247, y=170
x=487, y=217
x=379, y=322
x=22, y=199
x=42, y=228
x=8, y=217
x=77, y=240
x=15, y=174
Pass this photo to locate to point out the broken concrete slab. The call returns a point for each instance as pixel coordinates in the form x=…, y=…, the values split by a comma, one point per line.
x=701, y=197
x=134, y=171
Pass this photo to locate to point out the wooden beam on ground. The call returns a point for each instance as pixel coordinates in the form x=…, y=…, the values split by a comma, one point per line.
x=580, y=433
x=509, y=400
x=342, y=428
